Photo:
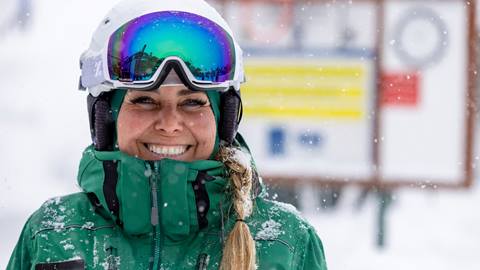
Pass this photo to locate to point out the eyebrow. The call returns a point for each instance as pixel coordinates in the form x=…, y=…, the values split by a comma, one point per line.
x=186, y=92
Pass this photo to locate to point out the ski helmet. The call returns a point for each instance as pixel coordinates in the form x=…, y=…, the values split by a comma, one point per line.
x=138, y=44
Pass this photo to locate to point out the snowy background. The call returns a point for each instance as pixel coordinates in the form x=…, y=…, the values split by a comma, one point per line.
x=44, y=128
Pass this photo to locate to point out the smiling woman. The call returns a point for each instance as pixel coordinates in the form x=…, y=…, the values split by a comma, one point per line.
x=168, y=182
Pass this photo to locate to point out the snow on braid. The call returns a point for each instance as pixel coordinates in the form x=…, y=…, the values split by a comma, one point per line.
x=239, y=249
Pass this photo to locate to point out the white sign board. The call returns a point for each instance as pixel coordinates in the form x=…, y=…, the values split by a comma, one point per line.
x=424, y=108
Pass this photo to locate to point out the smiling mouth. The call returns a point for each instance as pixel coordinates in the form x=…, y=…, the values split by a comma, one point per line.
x=167, y=151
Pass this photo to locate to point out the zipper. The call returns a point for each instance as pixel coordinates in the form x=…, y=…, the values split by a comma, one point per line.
x=111, y=258
x=154, y=219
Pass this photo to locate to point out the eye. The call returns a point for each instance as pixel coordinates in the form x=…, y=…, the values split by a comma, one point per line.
x=144, y=101
x=193, y=103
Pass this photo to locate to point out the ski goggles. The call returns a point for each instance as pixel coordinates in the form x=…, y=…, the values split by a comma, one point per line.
x=138, y=53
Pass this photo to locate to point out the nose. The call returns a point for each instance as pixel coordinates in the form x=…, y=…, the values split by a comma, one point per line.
x=169, y=121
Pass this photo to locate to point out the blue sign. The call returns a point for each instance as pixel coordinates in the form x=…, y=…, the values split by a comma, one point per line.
x=310, y=139
x=277, y=141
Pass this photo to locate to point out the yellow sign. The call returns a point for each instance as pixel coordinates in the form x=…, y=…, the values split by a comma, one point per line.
x=305, y=90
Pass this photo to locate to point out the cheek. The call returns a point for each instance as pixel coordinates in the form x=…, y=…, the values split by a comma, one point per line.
x=122, y=135
x=128, y=130
x=204, y=128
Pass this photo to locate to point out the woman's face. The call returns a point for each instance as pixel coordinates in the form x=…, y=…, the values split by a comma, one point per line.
x=170, y=122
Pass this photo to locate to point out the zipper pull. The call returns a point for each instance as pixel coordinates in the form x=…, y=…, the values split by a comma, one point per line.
x=111, y=258
x=202, y=261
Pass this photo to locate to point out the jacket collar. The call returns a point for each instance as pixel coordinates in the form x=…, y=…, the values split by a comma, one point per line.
x=161, y=192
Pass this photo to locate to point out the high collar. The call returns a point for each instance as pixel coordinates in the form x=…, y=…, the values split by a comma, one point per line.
x=160, y=192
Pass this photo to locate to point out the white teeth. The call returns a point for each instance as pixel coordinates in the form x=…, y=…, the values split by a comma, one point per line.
x=167, y=150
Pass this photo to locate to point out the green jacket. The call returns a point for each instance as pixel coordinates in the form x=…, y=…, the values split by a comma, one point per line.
x=154, y=221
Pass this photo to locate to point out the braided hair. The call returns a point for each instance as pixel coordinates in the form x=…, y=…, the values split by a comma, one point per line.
x=239, y=249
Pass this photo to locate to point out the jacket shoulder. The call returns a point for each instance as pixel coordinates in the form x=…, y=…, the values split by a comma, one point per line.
x=66, y=212
x=284, y=239
x=274, y=220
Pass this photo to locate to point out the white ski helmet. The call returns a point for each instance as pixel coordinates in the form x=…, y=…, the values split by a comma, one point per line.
x=189, y=32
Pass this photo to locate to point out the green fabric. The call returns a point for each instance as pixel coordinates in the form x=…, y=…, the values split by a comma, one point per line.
x=215, y=103
x=70, y=227
x=116, y=102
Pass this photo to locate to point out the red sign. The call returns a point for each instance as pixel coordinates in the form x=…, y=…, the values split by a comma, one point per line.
x=400, y=89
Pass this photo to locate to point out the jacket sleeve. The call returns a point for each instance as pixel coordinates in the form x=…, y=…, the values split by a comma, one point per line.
x=21, y=258
x=313, y=256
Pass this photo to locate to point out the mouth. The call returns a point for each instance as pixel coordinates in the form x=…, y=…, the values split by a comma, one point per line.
x=170, y=151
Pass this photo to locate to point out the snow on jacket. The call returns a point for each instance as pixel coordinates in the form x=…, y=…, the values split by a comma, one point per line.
x=166, y=215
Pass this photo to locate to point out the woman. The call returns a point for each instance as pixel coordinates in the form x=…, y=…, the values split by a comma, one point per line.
x=168, y=182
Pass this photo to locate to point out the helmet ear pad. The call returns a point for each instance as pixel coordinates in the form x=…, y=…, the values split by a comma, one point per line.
x=102, y=124
x=230, y=115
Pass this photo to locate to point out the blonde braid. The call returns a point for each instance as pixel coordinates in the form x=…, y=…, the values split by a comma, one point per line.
x=239, y=250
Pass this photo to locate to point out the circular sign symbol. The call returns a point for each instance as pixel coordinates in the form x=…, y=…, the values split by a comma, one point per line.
x=421, y=38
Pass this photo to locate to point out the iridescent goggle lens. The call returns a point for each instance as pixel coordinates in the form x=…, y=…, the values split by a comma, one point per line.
x=138, y=48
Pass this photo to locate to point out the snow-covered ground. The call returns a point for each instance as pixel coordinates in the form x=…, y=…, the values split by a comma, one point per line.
x=43, y=129
x=424, y=230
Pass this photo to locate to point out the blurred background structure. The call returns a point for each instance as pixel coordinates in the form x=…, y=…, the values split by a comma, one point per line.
x=16, y=15
x=361, y=113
